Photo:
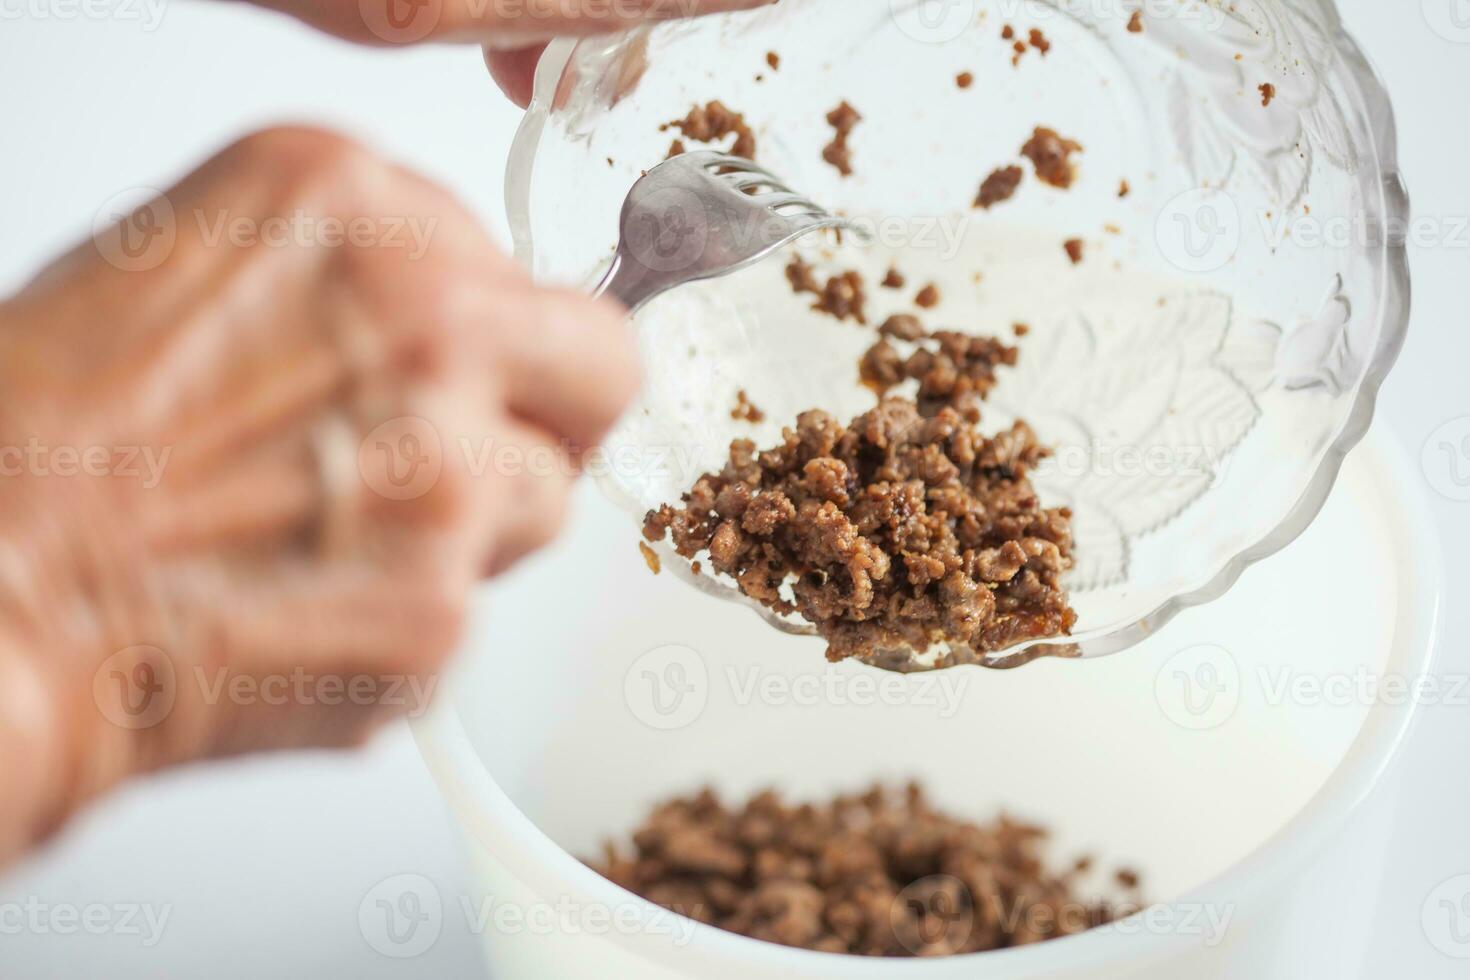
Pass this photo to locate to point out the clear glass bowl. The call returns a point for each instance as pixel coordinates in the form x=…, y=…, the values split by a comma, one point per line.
x=1201, y=373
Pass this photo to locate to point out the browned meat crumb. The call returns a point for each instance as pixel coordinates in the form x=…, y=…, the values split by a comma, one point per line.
x=954, y=370
x=844, y=296
x=802, y=276
x=1007, y=32
x=897, y=532
x=774, y=60
x=1050, y=154
x=1135, y=23
x=1020, y=49
x=1074, y=247
x=712, y=122
x=696, y=568
x=745, y=410
x=903, y=326
x=1020, y=329
x=650, y=558
x=1039, y=41
x=999, y=186
x=1124, y=189
x=843, y=119
x=883, y=873
x=928, y=297
x=894, y=279
x=1268, y=92
x=964, y=79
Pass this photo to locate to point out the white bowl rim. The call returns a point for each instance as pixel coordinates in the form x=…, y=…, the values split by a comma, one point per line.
x=494, y=820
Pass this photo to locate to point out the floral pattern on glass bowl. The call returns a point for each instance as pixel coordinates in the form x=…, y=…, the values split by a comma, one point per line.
x=1199, y=415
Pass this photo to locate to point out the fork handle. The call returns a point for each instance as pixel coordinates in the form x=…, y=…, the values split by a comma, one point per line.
x=628, y=282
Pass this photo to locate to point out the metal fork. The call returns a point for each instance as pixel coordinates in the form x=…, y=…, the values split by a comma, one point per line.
x=701, y=215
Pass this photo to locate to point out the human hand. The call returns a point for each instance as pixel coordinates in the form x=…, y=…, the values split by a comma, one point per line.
x=513, y=32
x=265, y=432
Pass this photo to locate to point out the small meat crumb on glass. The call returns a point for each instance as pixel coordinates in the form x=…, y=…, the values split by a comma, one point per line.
x=843, y=119
x=711, y=122
x=745, y=410
x=650, y=558
x=1051, y=154
x=999, y=186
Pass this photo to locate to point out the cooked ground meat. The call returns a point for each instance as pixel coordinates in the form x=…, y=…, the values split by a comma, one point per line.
x=1051, y=154
x=1039, y=41
x=650, y=558
x=955, y=370
x=712, y=122
x=999, y=186
x=844, y=295
x=894, y=279
x=928, y=297
x=1268, y=92
x=1075, y=248
x=844, y=120
x=964, y=79
x=900, y=531
x=903, y=326
x=883, y=873
x=1135, y=23
x=745, y=410
x=774, y=60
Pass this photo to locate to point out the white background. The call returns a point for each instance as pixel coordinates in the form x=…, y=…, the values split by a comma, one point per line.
x=264, y=863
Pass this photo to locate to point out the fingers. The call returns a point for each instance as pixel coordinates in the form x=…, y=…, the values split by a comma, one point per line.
x=534, y=477
x=323, y=655
x=568, y=364
x=514, y=71
x=505, y=25
x=263, y=497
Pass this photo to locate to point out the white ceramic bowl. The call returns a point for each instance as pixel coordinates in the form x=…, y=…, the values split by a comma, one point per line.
x=1257, y=812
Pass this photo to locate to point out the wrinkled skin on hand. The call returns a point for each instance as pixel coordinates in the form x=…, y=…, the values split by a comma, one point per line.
x=245, y=368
